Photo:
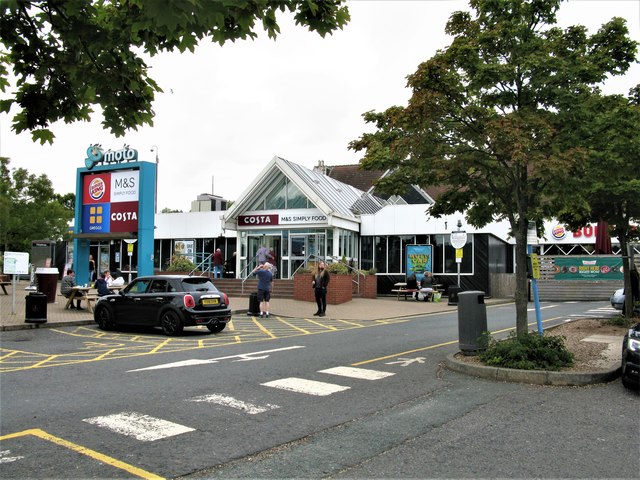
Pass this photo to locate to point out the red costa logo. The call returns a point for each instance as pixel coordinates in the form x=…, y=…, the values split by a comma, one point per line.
x=257, y=220
x=97, y=187
x=559, y=232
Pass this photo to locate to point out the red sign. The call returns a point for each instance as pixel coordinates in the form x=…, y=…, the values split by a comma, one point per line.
x=124, y=217
x=96, y=188
x=257, y=220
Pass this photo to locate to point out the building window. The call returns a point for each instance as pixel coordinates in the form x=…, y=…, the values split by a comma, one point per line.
x=381, y=254
x=367, y=253
x=444, y=255
x=295, y=198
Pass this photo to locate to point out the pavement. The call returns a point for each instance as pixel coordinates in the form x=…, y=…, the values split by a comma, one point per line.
x=13, y=308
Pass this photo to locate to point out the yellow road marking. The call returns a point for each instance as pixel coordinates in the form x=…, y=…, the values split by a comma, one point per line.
x=306, y=332
x=259, y=325
x=322, y=325
x=138, y=472
x=160, y=345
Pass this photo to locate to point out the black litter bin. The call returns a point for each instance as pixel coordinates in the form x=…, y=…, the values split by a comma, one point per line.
x=453, y=295
x=254, y=304
x=472, y=321
x=36, y=308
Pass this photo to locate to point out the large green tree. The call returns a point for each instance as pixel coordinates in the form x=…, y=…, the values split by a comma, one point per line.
x=68, y=55
x=30, y=209
x=610, y=189
x=491, y=118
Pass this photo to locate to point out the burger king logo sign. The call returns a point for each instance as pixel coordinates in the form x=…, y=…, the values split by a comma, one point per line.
x=559, y=232
x=97, y=188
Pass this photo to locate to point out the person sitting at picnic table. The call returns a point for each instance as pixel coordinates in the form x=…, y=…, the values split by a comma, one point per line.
x=102, y=286
x=412, y=284
x=66, y=288
x=426, y=286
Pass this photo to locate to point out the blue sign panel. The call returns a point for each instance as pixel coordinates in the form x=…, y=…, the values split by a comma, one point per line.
x=419, y=259
x=95, y=217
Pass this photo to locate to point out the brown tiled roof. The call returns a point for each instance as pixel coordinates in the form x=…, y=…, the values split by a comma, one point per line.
x=354, y=176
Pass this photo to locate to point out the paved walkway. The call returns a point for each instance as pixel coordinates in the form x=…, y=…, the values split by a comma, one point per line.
x=12, y=316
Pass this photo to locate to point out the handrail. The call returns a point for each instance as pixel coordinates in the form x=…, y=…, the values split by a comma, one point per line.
x=206, y=259
x=246, y=269
x=353, y=270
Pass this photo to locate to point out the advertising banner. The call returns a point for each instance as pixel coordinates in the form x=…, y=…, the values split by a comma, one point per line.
x=418, y=260
x=588, y=268
x=110, y=202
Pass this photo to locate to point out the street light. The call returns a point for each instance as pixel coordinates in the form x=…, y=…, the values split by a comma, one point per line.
x=155, y=148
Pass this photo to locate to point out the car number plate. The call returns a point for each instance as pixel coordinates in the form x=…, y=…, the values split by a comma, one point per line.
x=210, y=301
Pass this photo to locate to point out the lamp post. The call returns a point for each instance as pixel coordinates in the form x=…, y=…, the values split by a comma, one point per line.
x=155, y=148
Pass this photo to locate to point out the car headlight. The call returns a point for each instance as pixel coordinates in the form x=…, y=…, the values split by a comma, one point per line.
x=633, y=345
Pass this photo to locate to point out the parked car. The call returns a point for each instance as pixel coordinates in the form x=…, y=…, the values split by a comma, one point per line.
x=631, y=358
x=171, y=302
x=617, y=301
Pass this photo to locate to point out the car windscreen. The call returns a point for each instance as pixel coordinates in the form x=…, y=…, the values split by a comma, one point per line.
x=198, y=285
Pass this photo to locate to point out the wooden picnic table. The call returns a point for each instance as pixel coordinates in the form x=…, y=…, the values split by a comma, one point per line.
x=81, y=293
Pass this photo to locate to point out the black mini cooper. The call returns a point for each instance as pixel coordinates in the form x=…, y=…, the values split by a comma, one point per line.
x=171, y=302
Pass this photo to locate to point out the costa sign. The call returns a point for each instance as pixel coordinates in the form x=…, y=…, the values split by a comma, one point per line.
x=257, y=220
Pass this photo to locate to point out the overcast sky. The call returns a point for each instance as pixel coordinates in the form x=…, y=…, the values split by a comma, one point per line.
x=226, y=111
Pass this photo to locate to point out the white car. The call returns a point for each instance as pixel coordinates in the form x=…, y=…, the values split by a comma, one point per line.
x=617, y=300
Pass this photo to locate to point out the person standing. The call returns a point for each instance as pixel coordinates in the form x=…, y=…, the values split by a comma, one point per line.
x=66, y=288
x=262, y=255
x=92, y=268
x=263, y=272
x=320, y=282
x=218, y=262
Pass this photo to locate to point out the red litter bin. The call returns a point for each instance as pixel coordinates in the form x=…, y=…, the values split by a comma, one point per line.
x=48, y=282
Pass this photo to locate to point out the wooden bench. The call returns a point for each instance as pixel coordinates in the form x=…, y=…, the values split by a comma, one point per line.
x=4, y=282
x=89, y=297
x=405, y=292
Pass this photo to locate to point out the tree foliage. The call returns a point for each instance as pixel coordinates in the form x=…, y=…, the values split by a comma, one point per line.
x=493, y=119
x=610, y=189
x=68, y=55
x=30, y=209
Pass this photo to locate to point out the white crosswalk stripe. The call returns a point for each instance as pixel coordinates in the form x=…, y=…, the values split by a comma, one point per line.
x=139, y=426
x=227, y=401
x=310, y=387
x=361, y=373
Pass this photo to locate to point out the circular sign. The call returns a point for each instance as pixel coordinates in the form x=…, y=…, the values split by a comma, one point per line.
x=458, y=239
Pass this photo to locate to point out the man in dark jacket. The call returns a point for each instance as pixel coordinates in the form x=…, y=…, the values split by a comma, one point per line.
x=66, y=288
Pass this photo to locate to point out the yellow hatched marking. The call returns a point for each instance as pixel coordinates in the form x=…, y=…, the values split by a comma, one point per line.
x=106, y=354
x=321, y=324
x=10, y=354
x=46, y=360
x=138, y=472
x=351, y=323
x=306, y=332
x=259, y=325
x=159, y=346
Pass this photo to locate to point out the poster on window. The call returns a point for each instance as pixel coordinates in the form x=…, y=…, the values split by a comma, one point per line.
x=419, y=259
x=588, y=268
x=185, y=248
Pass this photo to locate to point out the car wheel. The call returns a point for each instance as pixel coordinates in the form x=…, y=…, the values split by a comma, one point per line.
x=171, y=323
x=104, y=318
x=216, y=327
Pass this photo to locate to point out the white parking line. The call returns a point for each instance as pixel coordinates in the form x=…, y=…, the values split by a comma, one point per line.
x=361, y=373
x=226, y=401
x=310, y=387
x=139, y=426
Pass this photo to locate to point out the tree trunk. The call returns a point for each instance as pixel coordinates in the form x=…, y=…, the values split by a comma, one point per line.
x=627, y=308
x=522, y=283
